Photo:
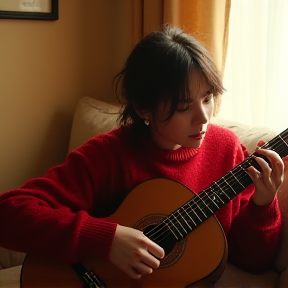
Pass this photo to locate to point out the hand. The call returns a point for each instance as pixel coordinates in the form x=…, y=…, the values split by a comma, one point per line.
x=267, y=181
x=134, y=253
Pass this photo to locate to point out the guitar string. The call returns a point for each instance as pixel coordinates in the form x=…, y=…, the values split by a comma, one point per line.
x=224, y=177
x=168, y=218
x=278, y=139
x=179, y=225
x=191, y=208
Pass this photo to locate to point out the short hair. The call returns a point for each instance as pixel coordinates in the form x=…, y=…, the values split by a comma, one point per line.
x=158, y=70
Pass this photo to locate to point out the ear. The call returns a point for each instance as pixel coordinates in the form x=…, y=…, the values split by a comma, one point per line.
x=143, y=114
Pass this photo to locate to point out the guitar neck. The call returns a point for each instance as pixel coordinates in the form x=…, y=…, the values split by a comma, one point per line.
x=207, y=202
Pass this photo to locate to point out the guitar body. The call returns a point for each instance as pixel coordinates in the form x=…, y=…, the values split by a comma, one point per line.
x=199, y=258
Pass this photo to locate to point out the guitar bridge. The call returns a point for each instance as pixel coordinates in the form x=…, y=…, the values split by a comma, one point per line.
x=89, y=278
x=96, y=280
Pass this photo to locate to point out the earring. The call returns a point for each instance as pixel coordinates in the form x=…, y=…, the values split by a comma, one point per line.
x=146, y=122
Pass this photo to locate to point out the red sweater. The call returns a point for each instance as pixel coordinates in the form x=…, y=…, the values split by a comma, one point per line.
x=59, y=214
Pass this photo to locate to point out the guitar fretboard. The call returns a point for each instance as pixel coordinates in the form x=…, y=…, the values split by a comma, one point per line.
x=194, y=212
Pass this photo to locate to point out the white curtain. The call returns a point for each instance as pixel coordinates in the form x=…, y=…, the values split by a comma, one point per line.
x=256, y=70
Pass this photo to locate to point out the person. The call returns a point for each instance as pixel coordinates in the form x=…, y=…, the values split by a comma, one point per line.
x=169, y=86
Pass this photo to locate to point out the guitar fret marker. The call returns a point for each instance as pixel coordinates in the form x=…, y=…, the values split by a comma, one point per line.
x=211, y=199
x=215, y=193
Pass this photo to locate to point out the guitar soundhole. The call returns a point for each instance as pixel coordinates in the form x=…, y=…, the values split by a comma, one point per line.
x=160, y=234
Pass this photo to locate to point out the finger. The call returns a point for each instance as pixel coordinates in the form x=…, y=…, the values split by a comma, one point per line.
x=276, y=165
x=265, y=169
x=142, y=269
x=155, y=249
x=254, y=174
x=285, y=161
x=261, y=143
x=133, y=273
x=150, y=260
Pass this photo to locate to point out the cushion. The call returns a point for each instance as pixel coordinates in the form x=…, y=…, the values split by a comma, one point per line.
x=91, y=117
x=248, y=135
x=10, y=258
x=10, y=277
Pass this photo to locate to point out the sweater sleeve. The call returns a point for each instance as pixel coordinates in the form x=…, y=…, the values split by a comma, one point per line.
x=254, y=237
x=52, y=215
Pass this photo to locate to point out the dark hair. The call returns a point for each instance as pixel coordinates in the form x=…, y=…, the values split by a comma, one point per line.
x=158, y=69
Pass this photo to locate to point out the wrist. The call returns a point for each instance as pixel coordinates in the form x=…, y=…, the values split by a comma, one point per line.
x=261, y=199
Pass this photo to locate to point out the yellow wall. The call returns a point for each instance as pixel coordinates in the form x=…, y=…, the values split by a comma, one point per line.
x=45, y=67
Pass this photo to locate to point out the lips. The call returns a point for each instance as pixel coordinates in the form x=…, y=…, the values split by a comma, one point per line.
x=198, y=136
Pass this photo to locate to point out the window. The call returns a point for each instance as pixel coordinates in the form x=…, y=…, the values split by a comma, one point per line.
x=256, y=71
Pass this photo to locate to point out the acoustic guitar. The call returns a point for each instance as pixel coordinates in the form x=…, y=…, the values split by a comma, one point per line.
x=185, y=226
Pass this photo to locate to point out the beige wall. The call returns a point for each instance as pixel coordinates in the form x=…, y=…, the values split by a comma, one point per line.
x=45, y=67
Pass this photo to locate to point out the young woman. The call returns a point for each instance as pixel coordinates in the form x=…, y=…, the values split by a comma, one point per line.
x=170, y=85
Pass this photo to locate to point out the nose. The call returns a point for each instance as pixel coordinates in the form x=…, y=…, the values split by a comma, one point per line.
x=200, y=115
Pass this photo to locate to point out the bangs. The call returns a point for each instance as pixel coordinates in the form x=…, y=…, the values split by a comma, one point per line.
x=182, y=92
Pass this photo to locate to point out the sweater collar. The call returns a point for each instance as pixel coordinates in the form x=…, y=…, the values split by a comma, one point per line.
x=179, y=155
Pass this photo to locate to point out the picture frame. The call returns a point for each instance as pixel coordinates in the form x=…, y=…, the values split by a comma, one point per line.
x=29, y=9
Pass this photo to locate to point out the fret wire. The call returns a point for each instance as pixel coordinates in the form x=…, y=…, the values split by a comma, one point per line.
x=175, y=225
x=200, y=208
x=184, y=218
x=236, y=179
x=221, y=188
x=194, y=211
x=190, y=216
x=283, y=140
x=177, y=211
x=187, y=214
x=207, y=206
x=169, y=227
x=229, y=186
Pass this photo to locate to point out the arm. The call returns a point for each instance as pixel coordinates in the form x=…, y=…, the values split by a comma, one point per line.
x=254, y=237
x=50, y=215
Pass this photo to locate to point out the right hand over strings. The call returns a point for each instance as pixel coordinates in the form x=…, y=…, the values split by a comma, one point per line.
x=134, y=253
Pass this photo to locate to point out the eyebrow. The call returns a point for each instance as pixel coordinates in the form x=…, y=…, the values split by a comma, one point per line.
x=191, y=100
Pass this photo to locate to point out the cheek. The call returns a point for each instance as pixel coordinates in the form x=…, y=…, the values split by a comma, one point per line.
x=209, y=111
x=179, y=122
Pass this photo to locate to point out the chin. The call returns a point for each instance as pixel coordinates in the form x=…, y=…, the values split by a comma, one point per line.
x=194, y=145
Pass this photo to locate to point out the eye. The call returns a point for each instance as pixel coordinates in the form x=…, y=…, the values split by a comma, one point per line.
x=209, y=97
x=182, y=107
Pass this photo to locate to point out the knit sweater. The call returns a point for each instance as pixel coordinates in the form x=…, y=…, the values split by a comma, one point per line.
x=63, y=213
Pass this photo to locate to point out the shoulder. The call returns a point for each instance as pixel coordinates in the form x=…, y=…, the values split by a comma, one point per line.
x=106, y=140
x=222, y=139
x=222, y=135
x=102, y=150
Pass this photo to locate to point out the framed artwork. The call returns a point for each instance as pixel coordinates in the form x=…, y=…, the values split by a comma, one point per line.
x=29, y=9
